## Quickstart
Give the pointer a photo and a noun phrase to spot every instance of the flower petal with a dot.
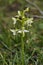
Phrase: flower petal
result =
(26, 31)
(14, 31)
(19, 13)
(14, 19)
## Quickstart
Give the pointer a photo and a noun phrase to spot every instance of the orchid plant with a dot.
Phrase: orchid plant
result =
(24, 22)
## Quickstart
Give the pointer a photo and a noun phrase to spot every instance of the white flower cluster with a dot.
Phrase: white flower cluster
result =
(27, 22)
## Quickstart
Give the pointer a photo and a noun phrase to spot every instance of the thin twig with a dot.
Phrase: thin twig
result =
(41, 12)
(36, 16)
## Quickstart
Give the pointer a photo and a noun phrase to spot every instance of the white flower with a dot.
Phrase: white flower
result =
(26, 31)
(19, 13)
(29, 21)
(27, 41)
(20, 31)
(23, 17)
(27, 9)
(14, 31)
(11, 30)
(17, 16)
(14, 19)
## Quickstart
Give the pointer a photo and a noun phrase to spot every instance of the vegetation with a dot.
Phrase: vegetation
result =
(21, 32)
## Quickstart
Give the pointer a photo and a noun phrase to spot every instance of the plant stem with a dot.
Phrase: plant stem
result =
(22, 49)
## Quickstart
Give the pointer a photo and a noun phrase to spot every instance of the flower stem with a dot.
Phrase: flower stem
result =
(22, 49)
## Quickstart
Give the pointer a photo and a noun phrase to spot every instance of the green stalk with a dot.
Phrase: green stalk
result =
(22, 48)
